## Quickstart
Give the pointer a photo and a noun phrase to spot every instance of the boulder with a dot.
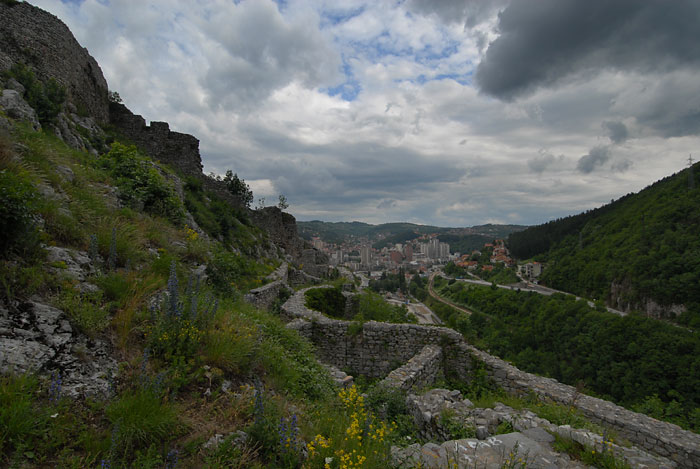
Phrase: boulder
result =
(17, 108)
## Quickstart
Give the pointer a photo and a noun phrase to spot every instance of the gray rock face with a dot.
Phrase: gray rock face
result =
(509, 450)
(56, 54)
(69, 262)
(39, 338)
(17, 108)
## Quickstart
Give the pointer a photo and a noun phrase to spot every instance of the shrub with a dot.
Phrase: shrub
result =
(230, 273)
(18, 198)
(141, 185)
(329, 301)
(238, 188)
(46, 98)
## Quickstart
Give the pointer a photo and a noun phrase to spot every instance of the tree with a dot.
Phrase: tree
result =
(114, 97)
(283, 204)
(238, 187)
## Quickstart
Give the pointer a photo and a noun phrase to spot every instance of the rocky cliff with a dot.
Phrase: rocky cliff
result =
(38, 39)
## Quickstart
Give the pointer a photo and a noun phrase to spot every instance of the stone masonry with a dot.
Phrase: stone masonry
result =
(378, 348)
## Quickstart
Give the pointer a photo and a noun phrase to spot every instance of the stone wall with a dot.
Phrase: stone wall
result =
(40, 40)
(281, 227)
(181, 151)
(263, 297)
(420, 371)
(375, 348)
(378, 348)
(662, 438)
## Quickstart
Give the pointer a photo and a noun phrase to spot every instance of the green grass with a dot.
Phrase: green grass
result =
(587, 455)
(140, 418)
(22, 420)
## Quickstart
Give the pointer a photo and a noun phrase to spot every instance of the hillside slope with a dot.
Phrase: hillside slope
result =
(641, 252)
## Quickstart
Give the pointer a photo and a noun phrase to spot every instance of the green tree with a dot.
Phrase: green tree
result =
(238, 187)
(283, 204)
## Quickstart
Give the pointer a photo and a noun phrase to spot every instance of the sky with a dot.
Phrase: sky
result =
(441, 112)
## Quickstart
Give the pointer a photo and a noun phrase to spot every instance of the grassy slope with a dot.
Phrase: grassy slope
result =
(159, 410)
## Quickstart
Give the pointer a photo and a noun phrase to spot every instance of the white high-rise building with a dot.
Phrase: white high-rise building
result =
(366, 255)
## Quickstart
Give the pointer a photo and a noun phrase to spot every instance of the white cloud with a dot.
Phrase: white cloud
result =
(361, 110)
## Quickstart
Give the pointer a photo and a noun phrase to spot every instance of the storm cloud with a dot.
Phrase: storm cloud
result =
(617, 131)
(542, 42)
(595, 158)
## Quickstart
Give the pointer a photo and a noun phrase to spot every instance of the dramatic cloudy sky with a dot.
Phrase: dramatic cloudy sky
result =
(443, 112)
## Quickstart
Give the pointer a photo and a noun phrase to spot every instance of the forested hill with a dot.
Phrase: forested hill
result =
(641, 252)
(461, 239)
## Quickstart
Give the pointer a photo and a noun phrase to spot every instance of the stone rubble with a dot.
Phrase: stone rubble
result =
(533, 435)
(380, 348)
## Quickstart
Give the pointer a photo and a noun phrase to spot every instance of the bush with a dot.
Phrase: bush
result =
(46, 98)
(329, 301)
(230, 273)
(141, 185)
(18, 198)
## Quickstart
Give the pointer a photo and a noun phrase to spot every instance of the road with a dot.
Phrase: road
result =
(432, 293)
(542, 290)
(422, 313)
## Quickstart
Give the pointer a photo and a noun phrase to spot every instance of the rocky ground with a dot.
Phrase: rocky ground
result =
(529, 443)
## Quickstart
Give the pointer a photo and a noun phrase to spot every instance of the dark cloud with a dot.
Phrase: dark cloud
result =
(669, 104)
(544, 41)
(542, 162)
(622, 166)
(469, 12)
(617, 131)
(596, 157)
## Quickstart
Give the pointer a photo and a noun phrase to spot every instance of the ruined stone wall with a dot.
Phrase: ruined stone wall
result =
(376, 348)
(263, 297)
(37, 38)
(662, 438)
(420, 371)
(281, 227)
(181, 151)
(379, 348)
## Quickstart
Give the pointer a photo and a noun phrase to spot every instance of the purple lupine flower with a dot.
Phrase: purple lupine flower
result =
(55, 388)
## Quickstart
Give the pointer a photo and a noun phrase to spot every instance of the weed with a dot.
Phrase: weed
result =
(21, 421)
(603, 458)
(141, 185)
(18, 204)
(455, 428)
(85, 311)
(141, 417)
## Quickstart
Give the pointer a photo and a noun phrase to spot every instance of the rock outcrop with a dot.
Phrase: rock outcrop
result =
(36, 337)
(38, 39)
